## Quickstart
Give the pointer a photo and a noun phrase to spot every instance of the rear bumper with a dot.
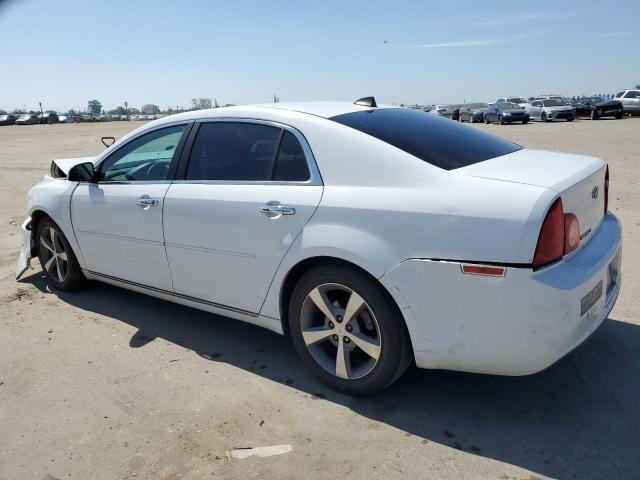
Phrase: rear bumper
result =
(518, 324)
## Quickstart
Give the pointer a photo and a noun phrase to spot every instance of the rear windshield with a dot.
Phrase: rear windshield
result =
(436, 140)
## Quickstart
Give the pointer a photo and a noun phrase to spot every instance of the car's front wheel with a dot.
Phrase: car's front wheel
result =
(347, 330)
(56, 257)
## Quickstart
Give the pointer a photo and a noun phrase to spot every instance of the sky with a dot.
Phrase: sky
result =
(65, 52)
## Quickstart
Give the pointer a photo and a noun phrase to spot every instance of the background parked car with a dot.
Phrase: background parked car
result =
(505, 113)
(630, 101)
(452, 112)
(28, 119)
(550, 109)
(596, 107)
(435, 109)
(8, 119)
(473, 112)
(520, 101)
(48, 117)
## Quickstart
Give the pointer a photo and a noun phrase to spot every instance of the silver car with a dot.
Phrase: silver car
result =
(551, 109)
(630, 101)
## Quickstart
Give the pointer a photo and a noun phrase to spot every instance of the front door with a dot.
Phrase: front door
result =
(247, 192)
(117, 219)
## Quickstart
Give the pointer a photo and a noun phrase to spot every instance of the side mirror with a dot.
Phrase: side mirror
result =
(84, 172)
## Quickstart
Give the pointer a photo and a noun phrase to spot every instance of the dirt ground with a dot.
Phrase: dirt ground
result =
(109, 384)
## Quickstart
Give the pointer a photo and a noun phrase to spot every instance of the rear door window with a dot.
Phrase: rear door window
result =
(242, 151)
(435, 140)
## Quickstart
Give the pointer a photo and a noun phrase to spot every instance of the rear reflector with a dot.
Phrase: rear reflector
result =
(550, 245)
(487, 270)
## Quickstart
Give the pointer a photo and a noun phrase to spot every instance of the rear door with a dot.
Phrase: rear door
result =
(245, 192)
(117, 220)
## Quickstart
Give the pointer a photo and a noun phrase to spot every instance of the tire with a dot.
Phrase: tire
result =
(619, 115)
(570, 119)
(594, 114)
(524, 122)
(57, 259)
(378, 324)
(543, 117)
(500, 120)
(471, 119)
(486, 119)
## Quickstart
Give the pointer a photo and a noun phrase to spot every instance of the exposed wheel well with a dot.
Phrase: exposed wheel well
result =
(36, 217)
(299, 269)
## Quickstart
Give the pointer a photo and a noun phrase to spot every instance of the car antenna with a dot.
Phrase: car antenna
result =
(366, 102)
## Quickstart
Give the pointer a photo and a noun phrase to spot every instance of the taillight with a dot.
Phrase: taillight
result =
(551, 240)
(571, 232)
(606, 191)
(559, 235)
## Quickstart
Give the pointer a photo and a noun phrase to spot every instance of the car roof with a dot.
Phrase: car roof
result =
(318, 109)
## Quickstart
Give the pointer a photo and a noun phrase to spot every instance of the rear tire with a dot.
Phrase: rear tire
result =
(57, 259)
(619, 115)
(324, 332)
(543, 117)
(594, 114)
(570, 119)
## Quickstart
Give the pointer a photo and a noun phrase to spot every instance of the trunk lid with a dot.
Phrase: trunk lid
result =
(579, 180)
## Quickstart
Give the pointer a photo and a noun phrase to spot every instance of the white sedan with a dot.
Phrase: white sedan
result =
(373, 236)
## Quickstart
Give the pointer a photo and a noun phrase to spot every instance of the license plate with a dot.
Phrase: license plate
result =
(590, 299)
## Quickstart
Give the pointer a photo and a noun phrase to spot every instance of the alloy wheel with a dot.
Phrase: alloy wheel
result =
(340, 331)
(54, 255)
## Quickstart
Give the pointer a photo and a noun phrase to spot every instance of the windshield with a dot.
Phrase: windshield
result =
(25, 117)
(4, 117)
(516, 100)
(509, 106)
(433, 139)
(478, 105)
(553, 103)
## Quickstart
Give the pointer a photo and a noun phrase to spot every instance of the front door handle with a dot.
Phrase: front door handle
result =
(277, 210)
(146, 202)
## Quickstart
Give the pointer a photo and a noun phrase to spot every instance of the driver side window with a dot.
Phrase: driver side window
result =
(148, 157)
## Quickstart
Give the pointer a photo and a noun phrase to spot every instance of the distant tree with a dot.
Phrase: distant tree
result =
(94, 107)
(71, 111)
(150, 108)
(201, 103)
(638, 86)
(3, 112)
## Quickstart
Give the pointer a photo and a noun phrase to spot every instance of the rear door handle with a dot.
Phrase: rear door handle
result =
(146, 202)
(277, 210)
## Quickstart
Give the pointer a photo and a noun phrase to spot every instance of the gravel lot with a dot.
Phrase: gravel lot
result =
(109, 384)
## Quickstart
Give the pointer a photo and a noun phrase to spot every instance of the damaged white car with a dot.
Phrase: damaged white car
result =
(373, 236)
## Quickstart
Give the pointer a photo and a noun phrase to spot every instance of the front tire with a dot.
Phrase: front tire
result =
(348, 330)
(543, 117)
(595, 115)
(58, 261)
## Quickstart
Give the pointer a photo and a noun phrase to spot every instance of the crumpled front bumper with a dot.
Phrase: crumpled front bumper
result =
(27, 248)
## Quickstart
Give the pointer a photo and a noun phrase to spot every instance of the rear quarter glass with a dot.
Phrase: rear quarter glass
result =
(437, 141)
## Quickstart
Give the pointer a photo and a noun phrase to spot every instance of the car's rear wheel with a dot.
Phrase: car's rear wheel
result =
(595, 114)
(57, 258)
(619, 115)
(347, 330)
(543, 117)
